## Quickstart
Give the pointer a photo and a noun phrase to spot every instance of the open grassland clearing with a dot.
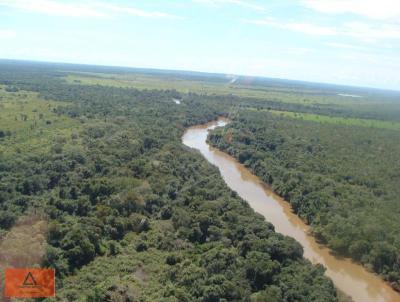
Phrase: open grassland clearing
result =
(24, 245)
(29, 123)
(338, 120)
(209, 87)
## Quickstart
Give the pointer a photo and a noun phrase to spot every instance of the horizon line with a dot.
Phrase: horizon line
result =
(177, 70)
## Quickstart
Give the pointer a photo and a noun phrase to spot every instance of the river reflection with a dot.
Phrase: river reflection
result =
(351, 278)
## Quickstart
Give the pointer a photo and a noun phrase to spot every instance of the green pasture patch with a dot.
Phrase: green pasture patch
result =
(29, 123)
(340, 120)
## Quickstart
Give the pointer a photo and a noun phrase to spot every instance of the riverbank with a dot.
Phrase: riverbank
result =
(353, 279)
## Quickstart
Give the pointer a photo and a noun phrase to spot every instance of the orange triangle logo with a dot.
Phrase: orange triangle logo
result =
(29, 280)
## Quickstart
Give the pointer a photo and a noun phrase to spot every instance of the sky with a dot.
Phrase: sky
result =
(351, 42)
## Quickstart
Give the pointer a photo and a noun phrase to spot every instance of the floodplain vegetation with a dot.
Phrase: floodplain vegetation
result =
(130, 214)
(342, 179)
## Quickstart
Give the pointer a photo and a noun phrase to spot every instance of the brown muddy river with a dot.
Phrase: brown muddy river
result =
(351, 278)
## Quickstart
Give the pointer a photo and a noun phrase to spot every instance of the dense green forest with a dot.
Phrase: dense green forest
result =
(132, 214)
(341, 179)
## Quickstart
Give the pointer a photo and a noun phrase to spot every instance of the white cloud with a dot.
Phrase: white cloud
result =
(311, 29)
(383, 9)
(369, 32)
(54, 8)
(7, 34)
(306, 28)
(265, 21)
(300, 51)
(383, 17)
(365, 32)
(342, 45)
(241, 3)
(74, 9)
(135, 12)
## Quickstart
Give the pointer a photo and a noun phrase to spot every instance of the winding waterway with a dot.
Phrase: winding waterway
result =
(351, 278)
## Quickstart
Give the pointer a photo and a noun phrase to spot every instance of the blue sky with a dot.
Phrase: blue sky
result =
(353, 42)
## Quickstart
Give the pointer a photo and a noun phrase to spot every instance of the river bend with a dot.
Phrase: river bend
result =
(353, 279)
